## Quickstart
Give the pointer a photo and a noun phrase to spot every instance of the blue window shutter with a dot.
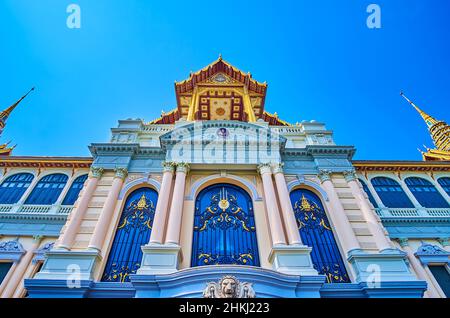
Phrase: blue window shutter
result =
(48, 189)
(391, 193)
(132, 232)
(74, 191)
(315, 231)
(13, 188)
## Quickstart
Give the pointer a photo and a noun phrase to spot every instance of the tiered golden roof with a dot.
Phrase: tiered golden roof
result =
(440, 133)
(220, 91)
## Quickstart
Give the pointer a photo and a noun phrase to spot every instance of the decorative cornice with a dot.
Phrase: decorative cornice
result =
(97, 172)
(121, 173)
(400, 166)
(124, 148)
(46, 162)
(324, 175)
(264, 168)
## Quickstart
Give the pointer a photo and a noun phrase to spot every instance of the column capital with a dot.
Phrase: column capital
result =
(97, 172)
(278, 168)
(121, 173)
(324, 175)
(444, 241)
(168, 166)
(182, 167)
(350, 175)
(264, 168)
(403, 242)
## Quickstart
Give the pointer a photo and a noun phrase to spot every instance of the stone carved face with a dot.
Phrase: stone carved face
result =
(228, 287)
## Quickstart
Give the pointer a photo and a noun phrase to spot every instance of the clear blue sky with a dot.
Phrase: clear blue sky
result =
(319, 58)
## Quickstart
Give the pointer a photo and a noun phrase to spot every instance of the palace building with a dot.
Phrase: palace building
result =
(219, 198)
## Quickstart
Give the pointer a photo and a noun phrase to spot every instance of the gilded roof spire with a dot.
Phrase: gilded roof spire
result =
(440, 133)
(5, 114)
(4, 149)
(430, 121)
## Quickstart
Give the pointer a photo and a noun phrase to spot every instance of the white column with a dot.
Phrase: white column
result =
(342, 225)
(369, 215)
(98, 238)
(22, 266)
(176, 209)
(77, 215)
(159, 223)
(418, 268)
(273, 215)
(286, 206)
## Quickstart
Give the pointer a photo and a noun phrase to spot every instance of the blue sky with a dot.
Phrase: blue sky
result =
(319, 58)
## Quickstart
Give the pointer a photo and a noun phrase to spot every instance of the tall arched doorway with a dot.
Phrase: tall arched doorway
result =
(132, 232)
(224, 227)
(315, 231)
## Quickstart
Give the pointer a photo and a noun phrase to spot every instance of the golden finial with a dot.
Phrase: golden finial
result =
(430, 121)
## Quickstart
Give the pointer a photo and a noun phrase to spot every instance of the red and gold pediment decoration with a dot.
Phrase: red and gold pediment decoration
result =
(220, 91)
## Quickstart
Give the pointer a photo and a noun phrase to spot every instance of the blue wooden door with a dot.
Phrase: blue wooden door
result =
(224, 227)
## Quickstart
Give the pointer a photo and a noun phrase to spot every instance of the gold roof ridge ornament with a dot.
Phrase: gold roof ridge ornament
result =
(4, 115)
(439, 132)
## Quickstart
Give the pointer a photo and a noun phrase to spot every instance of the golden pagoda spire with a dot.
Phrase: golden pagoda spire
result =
(440, 133)
(5, 114)
(4, 149)
(430, 121)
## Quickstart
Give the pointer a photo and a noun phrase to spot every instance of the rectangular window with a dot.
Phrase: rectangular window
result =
(4, 269)
(442, 275)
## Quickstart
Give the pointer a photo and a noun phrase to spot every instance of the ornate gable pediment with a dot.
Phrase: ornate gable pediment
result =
(223, 142)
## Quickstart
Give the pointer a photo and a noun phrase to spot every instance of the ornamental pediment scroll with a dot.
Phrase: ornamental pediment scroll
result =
(229, 287)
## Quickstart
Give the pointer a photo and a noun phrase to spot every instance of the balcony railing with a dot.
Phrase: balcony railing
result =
(413, 212)
(35, 209)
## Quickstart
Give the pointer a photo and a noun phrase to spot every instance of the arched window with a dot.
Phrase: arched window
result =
(133, 231)
(48, 189)
(445, 184)
(224, 227)
(426, 193)
(391, 193)
(14, 187)
(74, 191)
(369, 194)
(315, 231)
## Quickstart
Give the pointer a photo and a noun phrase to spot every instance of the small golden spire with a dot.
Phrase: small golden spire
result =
(5, 114)
(430, 121)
